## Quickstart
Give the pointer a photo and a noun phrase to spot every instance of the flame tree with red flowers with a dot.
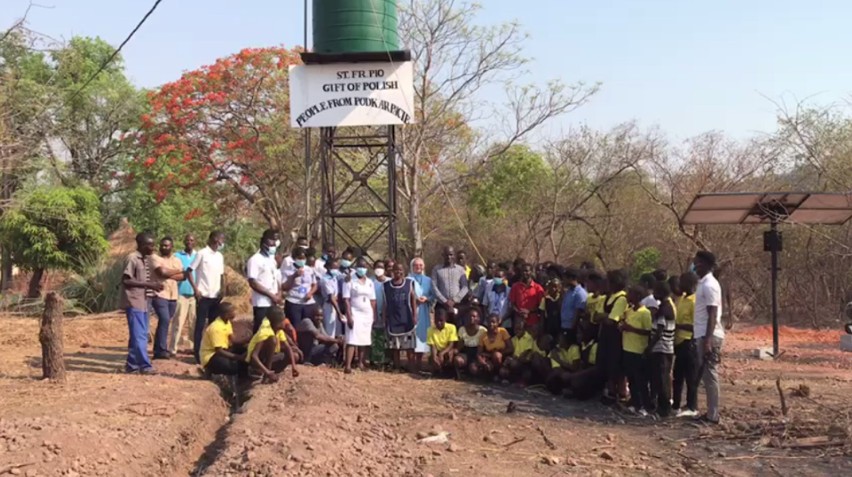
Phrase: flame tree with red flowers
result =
(227, 125)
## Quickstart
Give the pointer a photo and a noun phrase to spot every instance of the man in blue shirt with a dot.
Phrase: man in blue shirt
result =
(186, 296)
(573, 303)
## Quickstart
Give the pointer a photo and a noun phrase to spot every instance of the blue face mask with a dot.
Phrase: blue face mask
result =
(324, 257)
(299, 263)
(497, 282)
(270, 251)
(345, 263)
(334, 273)
(361, 272)
(221, 247)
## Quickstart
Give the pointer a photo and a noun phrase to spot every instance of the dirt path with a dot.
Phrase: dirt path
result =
(102, 422)
(326, 423)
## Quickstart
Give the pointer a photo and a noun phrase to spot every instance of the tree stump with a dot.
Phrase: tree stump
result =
(50, 336)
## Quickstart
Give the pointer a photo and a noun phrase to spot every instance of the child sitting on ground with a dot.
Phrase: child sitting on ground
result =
(442, 339)
(495, 344)
(518, 367)
(468, 344)
(264, 350)
(219, 353)
(589, 379)
(564, 359)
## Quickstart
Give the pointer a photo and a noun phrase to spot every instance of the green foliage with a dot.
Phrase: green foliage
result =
(645, 260)
(512, 178)
(54, 228)
(96, 289)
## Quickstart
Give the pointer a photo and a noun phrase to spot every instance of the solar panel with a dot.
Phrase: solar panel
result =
(765, 207)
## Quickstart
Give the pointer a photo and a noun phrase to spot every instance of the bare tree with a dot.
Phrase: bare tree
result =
(456, 61)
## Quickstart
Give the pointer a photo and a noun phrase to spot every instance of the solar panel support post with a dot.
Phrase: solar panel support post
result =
(774, 242)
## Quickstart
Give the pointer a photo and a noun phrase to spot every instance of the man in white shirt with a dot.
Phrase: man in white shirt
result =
(208, 282)
(709, 334)
(264, 279)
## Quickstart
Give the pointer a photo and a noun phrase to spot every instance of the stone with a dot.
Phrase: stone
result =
(846, 342)
(453, 448)
(606, 456)
(763, 354)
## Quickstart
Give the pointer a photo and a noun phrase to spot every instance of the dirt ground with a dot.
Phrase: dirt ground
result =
(103, 422)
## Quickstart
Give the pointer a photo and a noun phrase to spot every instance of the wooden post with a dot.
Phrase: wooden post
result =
(51, 338)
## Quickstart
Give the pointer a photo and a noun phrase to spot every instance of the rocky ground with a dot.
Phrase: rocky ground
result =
(103, 422)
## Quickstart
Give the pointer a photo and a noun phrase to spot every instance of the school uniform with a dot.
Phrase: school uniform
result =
(685, 367)
(662, 357)
(610, 345)
(633, 357)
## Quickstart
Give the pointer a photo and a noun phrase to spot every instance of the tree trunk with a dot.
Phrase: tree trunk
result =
(6, 271)
(51, 338)
(34, 290)
(414, 217)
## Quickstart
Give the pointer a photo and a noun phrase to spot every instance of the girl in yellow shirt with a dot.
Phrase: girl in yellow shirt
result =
(519, 366)
(636, 328)
(495, 344)
(685, 367)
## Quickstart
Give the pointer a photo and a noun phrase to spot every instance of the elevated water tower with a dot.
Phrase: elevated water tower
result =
(356, 86)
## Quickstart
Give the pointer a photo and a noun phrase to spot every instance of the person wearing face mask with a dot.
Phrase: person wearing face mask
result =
(208, 283)
(360, 297)
(300, 283)
(264, 279)
(496, 301)
(287, 262)
(332, 318)
(378, 350)
(328, 252)
(425, 298)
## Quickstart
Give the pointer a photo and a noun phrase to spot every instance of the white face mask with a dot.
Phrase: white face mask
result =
(277, 243)
(380, 272)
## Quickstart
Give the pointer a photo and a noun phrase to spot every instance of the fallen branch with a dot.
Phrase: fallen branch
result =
(546, 439)
(9, 468)
(520, 439)
(784, 408)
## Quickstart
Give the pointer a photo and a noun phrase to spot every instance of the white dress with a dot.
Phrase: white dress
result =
(360, 295)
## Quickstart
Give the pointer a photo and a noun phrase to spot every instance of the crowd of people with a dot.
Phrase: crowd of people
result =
(579, 332)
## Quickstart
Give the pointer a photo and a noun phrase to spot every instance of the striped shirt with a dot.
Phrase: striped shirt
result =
(449, 283)
(665, 316)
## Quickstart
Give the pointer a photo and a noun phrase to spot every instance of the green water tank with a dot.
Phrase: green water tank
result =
(354, 26)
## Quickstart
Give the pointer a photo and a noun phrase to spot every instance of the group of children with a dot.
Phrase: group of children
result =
(591, 334)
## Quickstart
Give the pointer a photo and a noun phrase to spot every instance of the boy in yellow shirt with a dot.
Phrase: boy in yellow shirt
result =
(219, 353)
(519, 366)
(685, 367)
(442, 339)
(265, 348)
(636, 329)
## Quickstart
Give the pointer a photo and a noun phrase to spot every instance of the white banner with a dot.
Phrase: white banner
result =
(351, 94)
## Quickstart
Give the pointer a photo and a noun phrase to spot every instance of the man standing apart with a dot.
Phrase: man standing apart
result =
(136, 289)
(264, 279)
(168, 270)
(709, 333)
(449, 282)
(186, 295)
(208, 283)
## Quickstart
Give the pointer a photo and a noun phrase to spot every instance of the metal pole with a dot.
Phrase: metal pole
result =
(774, 246)
(307, 148)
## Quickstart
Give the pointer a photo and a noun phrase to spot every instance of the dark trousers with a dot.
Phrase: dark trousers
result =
(635, 367)
(207, 310)
(660, 368)
(685, 373)
(219, 364)
(165, 310)
(320, 354)
(296, 312)
(259, 314)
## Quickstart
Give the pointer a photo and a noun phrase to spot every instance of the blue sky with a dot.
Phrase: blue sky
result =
(685, 66)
